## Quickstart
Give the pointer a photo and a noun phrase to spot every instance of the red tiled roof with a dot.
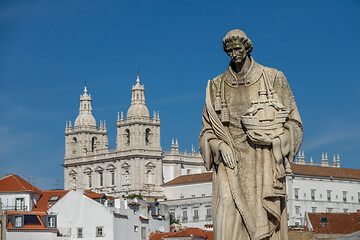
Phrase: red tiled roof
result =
(209, 234)
(158, 236)
(14, 183)
(337, 223)
(143, 218)
(44, 204)
(325, 171)
(92, 195)
(40, 213)
(188, 232)
(191, 178)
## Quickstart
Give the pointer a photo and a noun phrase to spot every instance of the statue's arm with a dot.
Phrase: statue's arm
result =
(293, 133)
(208, 143)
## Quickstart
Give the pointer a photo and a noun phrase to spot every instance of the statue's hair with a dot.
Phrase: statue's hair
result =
(237, 35)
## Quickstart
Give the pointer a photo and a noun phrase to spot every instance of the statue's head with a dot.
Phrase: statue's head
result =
(237, 45)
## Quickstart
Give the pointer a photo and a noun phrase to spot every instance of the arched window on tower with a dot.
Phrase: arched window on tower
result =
(126, 177)
(93, 144)
(127, 136)
(147, 136)
(150, 177)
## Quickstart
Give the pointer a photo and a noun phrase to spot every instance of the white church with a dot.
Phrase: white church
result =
(137, 165)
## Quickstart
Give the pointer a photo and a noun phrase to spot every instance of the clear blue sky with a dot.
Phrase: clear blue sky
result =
(49, 48)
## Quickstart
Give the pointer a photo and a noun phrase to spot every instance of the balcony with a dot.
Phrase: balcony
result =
(14, 208)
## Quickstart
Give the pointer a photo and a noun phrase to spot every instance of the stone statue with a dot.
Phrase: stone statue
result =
(251, 129)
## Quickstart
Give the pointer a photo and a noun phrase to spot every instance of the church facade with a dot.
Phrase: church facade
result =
(137, 165)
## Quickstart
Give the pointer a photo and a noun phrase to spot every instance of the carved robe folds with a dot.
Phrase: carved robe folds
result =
(249, 201)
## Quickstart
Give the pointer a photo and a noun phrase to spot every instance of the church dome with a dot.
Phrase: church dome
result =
(138, 109)
(85, 118)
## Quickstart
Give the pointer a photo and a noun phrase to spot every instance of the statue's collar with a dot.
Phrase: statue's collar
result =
(251, 77)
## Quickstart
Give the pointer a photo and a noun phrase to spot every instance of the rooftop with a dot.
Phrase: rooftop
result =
(191, 178)
(14, 183)
(325, 171)
(335, 223)
(184, 233)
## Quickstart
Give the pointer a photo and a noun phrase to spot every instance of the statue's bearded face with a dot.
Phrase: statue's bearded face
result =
(236, 51)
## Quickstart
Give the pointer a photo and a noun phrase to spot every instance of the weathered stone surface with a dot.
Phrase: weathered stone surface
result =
(251, 128)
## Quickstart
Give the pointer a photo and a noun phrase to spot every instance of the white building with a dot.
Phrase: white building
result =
(78, 216)
(321, 188)
(137, 165)
(16, 194)
(189, 199)
(310, 188)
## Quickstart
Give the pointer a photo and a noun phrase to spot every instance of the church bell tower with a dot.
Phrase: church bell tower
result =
(138, 140)
(85, 137)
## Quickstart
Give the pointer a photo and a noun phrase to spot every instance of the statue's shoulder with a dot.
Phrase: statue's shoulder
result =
(274, 74)
(216, 80)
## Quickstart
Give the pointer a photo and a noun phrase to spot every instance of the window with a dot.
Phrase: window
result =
(313, 209)
(184, 218)
(51, 222)
(203, 194)
(54, 198)
(345, 210)
(358, 197)
(323, 219)
(344, 196)
(127, 136)
(147, 136)
(188, 171)
(101, 179)
(90, 180)
(136, 228)
(112, 178)
(172, 213)
(297, 209)
(329, 195)
(313, 195)
(143, 233)
(208, 213)
(99, 232)
(196, 214)
(80, 233)
(93, 144)
(181, 196)
(193, 196)
(19, 204)
(329, 210)
(296, 193)
(18, 221)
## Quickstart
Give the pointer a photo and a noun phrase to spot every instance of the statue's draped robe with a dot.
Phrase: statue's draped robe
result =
(246, 204)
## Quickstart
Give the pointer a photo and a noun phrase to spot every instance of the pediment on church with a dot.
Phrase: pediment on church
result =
(98, 169)
(72, 172)
(150, 165)
(88, 170)
(110, 167)
(125, 165)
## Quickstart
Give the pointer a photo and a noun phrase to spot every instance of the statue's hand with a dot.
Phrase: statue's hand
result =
(259, 138)
(227, 155)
